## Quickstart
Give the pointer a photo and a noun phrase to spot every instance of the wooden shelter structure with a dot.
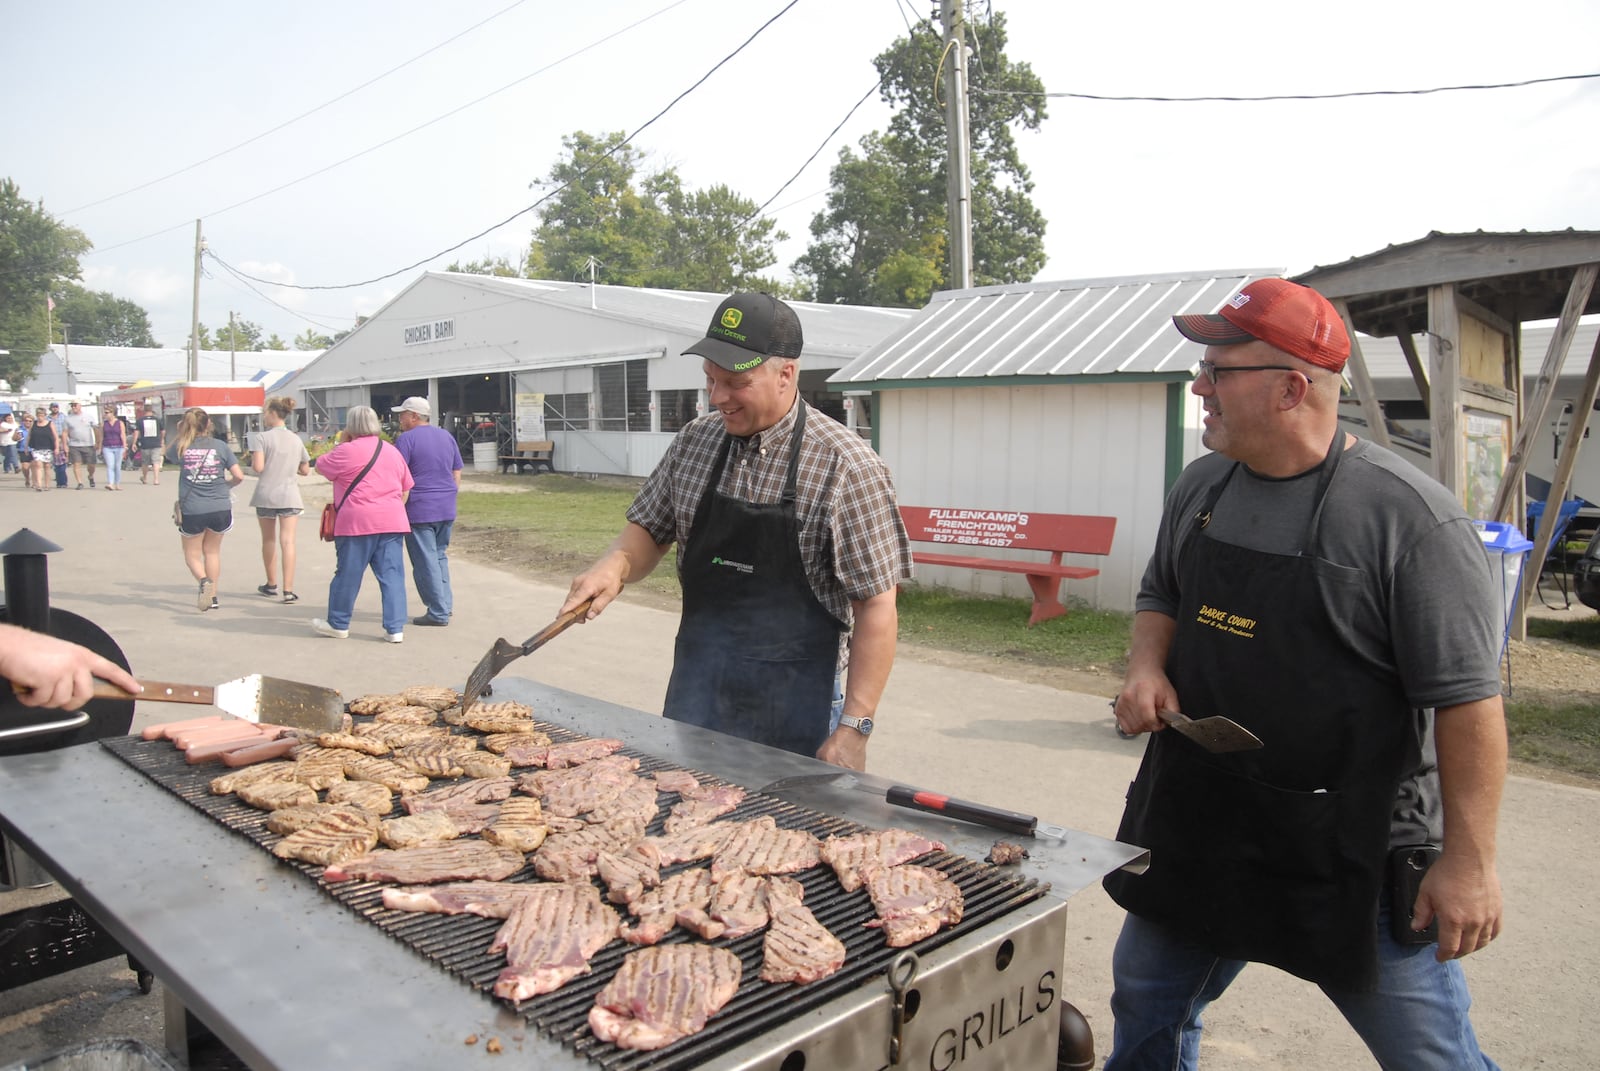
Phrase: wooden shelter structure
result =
(1468, 296)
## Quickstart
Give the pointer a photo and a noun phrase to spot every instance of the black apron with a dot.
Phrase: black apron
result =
(1278, 855)
(757, 653)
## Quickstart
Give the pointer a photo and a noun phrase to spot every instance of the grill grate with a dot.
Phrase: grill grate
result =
(458, 943)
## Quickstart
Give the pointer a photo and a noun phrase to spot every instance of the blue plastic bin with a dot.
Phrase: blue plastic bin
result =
(1508, 551)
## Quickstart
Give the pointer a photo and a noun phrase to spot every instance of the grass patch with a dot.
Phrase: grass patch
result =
(1083, 639)
(1580, 632)
(1565, 736)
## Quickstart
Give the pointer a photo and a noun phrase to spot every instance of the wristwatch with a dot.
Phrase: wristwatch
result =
(860, 725)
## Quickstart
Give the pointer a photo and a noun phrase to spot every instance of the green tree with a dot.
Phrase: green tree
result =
(708, 243)
(273, 342)
(501, 267)
(37, 255)
(882, 237)
(309, 339)
(100, 318)
(340, 336)
(242, 336)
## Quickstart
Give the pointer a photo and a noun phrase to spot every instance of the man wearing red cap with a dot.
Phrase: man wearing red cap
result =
(790, 547)
(1331, 598)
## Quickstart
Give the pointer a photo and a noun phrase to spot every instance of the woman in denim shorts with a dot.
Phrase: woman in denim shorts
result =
(279, 458)
(208, 471)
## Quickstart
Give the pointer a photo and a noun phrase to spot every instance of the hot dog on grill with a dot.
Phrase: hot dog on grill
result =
(228, 730)
(168, 728)
(272, 749)
(205, 752)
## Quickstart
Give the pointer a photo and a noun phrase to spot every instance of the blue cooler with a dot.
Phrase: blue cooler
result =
(1508, 550)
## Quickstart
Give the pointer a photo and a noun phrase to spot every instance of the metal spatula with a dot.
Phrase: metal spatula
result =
(263, 700)
(1216, 734)
(504, 652)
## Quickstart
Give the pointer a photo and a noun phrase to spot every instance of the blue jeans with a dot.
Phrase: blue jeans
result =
(428, 546)
(1416, 1020)
(837, 710)
(353, 554)
(112, 456)
(9, 450)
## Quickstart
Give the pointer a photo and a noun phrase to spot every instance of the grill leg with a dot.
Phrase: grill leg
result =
(1075, 1050)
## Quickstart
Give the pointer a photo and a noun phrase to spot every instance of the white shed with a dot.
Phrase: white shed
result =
(1068, 397)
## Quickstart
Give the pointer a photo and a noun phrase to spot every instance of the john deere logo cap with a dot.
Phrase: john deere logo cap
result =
(746, 330)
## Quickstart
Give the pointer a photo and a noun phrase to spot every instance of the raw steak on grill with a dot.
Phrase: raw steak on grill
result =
(662, 994)
(560, 756)
(569, 793)
(626, 875)
(797, 947)
(571, 856)
(739, 905)
(549, 938)
(850, 856)
(912, 902)
(490, 899)
(658, 909)
(760, 847)
(701, 804)
(675, 781)
(637, 803)
(344, 834)
(457, 860)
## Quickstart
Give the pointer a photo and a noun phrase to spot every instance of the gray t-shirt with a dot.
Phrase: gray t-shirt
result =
(80, 430)
(282, 454)
(203, 481)
(1429, 612)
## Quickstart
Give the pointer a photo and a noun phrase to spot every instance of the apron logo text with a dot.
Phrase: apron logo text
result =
(740, 567)
(1223, 621)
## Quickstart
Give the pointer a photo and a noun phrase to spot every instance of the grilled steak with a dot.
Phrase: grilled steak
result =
(675, 781)
(499, 742)
(451, 797)
(287, 820)
(250, 775)
(344, 834)
(519, 825)
(760, 847)
(273, 795)
(626, 875)
(549, 938)
(490, 899)
(437, 765)
(480, 764)
(368, 795)
(572, 856)
(636, 804)
(568, 793)
(415, 830)
(320, 767)
(797, 947)
(701, 804)
(658, 910)
(457, 860)
(662, 994)
(416, 715)
(739, 905)
(432, 696)
(372, 704)
(912, 902)
(391, 775)
(851, 855)
(1005, 853)
(486, 721)
(687, 845)
(399, 734)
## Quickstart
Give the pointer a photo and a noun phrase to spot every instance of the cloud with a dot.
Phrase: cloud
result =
(143, 286)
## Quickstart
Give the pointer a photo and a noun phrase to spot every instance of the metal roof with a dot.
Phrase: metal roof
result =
(1084, 327)
(132, 364)
(667, 321)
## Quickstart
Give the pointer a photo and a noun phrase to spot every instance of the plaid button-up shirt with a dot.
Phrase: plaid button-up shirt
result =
(852, 540)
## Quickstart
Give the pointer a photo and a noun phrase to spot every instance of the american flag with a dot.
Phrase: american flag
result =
(50, 303)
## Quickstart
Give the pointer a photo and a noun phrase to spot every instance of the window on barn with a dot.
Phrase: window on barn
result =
(624, 396)
(677, 408)
(566, 412)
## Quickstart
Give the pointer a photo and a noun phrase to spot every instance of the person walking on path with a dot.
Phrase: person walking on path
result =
(434, 458)
(790, 549)
(1331, 598)
(58, 421)
(370, 482)
(277, 458)
(208, 472)
(113, 444)
(9, 436)
(24, 451)
(152, 444)
(44, 443)
(83, 442)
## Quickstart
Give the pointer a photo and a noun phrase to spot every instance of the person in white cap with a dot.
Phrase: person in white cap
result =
(434, 458)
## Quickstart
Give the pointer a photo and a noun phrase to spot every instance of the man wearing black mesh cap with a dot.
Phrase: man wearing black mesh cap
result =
(790, 546)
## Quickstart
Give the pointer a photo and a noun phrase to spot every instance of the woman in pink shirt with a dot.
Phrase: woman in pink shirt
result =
(370, 484)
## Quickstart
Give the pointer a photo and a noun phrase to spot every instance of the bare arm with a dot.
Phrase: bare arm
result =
(235, 475)
(632, 556)
(872, 647)
(304, 469)
(456, 475)
(258, 461)
(1145, 687)
(48, 672)
(1463, 887)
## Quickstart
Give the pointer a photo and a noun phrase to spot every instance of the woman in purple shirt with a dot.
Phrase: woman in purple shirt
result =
(370, 484)
(113, 442)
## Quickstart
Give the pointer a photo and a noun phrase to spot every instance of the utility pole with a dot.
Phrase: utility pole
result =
(194, 323)
(959, 142)
(233, 364)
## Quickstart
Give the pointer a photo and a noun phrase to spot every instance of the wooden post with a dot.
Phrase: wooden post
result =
(1408, 346)
(1444, 387)
(1366, 393)
(1544, 390)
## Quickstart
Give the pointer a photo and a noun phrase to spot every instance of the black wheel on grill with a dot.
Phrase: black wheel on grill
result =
(107, 717)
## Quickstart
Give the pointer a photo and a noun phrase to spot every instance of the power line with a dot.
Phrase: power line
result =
(864, 98)
(296, 119)
(1292, 96)
(524, 211)
(242, 279)
(389, 141)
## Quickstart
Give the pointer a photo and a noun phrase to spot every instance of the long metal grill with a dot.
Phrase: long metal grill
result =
(459, 943)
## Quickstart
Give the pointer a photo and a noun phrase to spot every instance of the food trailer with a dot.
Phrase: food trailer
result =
(235, 408)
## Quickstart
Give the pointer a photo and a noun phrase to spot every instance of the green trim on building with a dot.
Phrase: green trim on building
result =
(1175, 393)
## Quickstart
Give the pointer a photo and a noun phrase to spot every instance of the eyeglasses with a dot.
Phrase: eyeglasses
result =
(1211, 370)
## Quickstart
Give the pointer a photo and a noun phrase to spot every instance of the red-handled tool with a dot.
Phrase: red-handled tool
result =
(1025, 825)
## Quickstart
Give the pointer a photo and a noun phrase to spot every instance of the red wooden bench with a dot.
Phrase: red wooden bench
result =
(1054, 534)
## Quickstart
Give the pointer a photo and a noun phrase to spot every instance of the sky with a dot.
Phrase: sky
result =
(287, 129)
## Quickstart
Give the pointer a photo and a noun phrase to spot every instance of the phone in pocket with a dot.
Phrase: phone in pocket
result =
(1407, 865)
